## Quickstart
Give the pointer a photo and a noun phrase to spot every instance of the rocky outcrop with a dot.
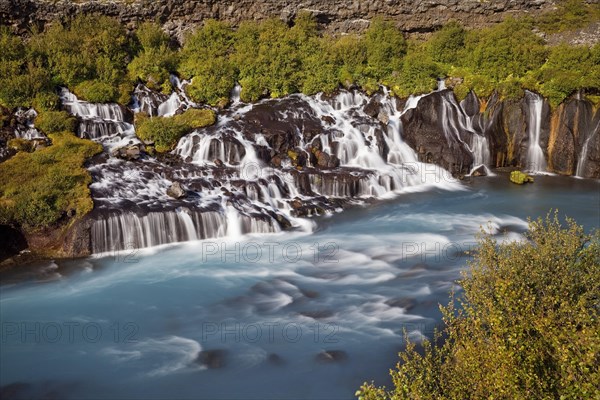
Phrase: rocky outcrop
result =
(177, 16)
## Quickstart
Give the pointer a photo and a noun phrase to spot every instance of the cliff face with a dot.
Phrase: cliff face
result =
(336, 15)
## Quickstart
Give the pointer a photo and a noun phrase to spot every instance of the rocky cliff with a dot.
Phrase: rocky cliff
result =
(335, 15)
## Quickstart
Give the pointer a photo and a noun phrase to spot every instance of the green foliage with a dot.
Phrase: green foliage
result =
(447, 44)
(509, 48)
(385, 46)
(92, 51)
(155, 60)
(38, 189)
(205, 57)
(164, 132)
(55, 121)
(527, 326)
(418, 75)
(570, 14)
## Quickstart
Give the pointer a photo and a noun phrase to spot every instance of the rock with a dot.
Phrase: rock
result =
(402, 302)
(373, 108)
(323, 160)
(218, 163)
(331, 356)
(383, 117)
(276, 161)
(176, 191)
(479, 171)
(212, 359)
(275, 359)
(296, 204)
(520, 178)
(328, 119)
(129, 152)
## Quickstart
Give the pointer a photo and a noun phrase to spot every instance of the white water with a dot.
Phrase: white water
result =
(584, 152)
(104, 123)
(535, 155)
(458, 127)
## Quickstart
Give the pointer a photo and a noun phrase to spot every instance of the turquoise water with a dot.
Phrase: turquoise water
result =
(135, 324)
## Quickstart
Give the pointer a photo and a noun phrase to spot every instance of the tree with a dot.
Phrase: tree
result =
(526, 327)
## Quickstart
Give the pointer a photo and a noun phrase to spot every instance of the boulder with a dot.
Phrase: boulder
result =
(331, 356)
(520, 178)
(479, 171)
(176, 191)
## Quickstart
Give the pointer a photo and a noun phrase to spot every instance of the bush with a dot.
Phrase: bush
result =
(164, 132)
(570, 14)
(55, 121)
(96, 91)
(447, 45)
(528, 325)
(205, 57)
(155, 61)
(38, 189)
(21, 145)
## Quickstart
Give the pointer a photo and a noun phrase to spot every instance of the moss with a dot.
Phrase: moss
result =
(97, 91)
(55, 121)
(39, 189)
(164, 132)
(21, 145)
(520, 178)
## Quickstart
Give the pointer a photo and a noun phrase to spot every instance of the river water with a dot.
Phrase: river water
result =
(287, 315)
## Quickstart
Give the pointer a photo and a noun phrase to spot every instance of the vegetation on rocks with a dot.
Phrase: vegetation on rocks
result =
(526, 327)
(96, 58)
(164, 132)
(42, 188)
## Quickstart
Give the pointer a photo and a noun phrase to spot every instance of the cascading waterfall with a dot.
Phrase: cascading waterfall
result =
(457, 124)
(536, 161)
(27, 130)
(103, 123)
(584, 152)
(246, 195)
(126, 231)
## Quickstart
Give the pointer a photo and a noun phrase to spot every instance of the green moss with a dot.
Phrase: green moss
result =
(569, 15)
(21, 145)
(38, 189)
(55, 121)
(520, 178)
(164, 132)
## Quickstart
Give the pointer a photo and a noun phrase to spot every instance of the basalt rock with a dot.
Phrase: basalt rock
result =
(179, 16)
(424, 131)
(176, 191)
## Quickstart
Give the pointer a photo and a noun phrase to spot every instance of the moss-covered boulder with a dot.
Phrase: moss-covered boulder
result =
(520, 178)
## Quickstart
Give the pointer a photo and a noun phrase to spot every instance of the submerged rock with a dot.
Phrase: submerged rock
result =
(212, 359)
(520, 178)
(479, 171)
(331, 356)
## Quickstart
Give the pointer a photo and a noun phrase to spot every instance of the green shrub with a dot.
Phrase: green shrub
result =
(38, 189)
(570, 14)
(527, 326)
(205, 58)
(447, 45)
(55, 121)
(418, 75)
(96, 91)
(385, 46)
(164, 132)
(155, 60)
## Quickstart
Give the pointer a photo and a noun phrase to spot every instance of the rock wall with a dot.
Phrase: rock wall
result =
(178, 16)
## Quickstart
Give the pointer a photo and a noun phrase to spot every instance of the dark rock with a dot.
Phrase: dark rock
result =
(176, 191)
(12, 241)
(328, 119)
(275, 359)
(479, 171)
(130, 152)
(212, 359)
(402, 302)
(331, 356)
(373, 107)
(218, 163)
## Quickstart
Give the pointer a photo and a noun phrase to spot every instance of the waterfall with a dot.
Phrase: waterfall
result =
(26, 129)
(169, 107)
(456, 123)
(584, 152)
(535, 155)
(104, 123)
